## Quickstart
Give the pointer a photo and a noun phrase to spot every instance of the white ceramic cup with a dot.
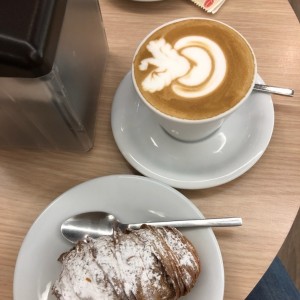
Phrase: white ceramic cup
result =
(192, 130)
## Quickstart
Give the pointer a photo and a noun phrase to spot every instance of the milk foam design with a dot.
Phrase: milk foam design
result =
(170, 65)
(194, 67)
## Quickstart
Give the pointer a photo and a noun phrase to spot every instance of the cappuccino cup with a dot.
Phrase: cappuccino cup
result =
(193, 73)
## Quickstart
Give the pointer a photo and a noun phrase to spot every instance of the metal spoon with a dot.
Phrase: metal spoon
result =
(273, 90)
(95, 224)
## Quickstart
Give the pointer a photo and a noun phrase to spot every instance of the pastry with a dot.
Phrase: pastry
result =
(145, 264)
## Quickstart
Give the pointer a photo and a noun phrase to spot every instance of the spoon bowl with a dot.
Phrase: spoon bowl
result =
(96, 224)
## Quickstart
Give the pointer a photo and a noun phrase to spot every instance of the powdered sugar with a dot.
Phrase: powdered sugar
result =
(144, 264)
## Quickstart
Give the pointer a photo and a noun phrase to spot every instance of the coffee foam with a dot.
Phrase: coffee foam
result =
(207, 71)
(169, 65)
(190, 69)
(194, 67)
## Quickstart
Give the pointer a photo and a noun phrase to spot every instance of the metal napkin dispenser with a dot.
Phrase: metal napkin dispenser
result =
(52, 60)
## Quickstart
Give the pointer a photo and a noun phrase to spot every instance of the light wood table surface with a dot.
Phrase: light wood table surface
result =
(266, 197)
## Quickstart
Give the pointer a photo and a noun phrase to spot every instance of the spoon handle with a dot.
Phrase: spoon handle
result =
(223, 222)
(273, 90)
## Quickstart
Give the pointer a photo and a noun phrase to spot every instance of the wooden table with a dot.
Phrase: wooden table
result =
(267, 196)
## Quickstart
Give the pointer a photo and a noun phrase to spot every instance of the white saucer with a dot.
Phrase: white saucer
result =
(131, 199)
(224, 156)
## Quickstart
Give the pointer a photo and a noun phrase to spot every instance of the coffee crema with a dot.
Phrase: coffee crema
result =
(194, 69)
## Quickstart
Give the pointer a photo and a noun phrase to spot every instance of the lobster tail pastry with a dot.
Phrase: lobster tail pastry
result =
(149, 263)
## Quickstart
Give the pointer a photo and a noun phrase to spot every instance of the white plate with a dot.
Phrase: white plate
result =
(132, 199)
(224, 156)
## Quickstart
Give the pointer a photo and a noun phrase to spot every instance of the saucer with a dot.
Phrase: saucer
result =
(220, 158)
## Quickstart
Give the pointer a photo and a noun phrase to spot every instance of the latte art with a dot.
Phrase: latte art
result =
(207, 70)
(169, 65)
(194, 67)
(190, 69)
